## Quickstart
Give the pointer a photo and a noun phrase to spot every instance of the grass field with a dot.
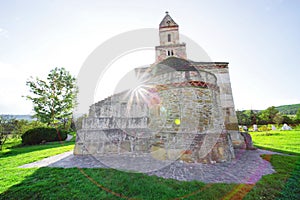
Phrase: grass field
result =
(10, 159)
(281, 141)
(56, 183)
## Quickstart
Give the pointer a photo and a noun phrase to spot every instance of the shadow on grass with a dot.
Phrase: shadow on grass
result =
(73, 183)
(291, 189)
(280, 185)
(277, 150)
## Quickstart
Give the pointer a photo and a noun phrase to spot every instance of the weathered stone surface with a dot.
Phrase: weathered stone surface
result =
(226, 99)
(180, 115)
(181, 121)
(248, 141)
(237, 139)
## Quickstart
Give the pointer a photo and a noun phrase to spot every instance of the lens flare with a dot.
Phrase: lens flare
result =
(177, 121)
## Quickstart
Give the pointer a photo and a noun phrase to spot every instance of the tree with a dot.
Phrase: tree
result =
(243, 118)
(268, 114)
(278, 119)
(288, 119)
(54, 98)
(6, 128)
(298, 115)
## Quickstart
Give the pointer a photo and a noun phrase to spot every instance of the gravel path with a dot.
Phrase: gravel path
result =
(248, 167)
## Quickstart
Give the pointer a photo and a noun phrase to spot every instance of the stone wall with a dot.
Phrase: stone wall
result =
(179, 50)
(226, 97)
(181, 118)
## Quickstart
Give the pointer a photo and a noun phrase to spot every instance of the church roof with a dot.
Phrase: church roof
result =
(177, 64)
(167, 22)
(172, 64)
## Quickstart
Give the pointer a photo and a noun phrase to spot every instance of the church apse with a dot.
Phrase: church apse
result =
(176, 113)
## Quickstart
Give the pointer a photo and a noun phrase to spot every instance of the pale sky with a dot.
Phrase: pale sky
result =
(259, 38)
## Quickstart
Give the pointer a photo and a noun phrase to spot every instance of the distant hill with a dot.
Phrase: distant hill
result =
(288, 109)
(18, 117)
(284, 109)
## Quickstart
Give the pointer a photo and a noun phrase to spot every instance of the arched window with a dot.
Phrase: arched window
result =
(169, 52)
(169, 37)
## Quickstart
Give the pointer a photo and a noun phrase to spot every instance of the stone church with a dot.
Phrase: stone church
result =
(182, 110)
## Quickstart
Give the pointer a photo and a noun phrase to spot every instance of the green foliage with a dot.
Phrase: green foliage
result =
(278, 118)
(298, 114)
(54, 98)
(288, 109)
(269, 116)
(246, 117)
(264, 128)
(21, 126)
(243, 118)
(7, 126)
(38, 135)
(296, 128)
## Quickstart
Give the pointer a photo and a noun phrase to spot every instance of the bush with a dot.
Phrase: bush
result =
(24, 125)
(264, 128)
(43, 134)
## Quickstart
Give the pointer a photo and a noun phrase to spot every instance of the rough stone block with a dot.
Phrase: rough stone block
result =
(232, 126)
(174, 154)
(110, 148)
(126, 146)
(187, 156)
(158, 153)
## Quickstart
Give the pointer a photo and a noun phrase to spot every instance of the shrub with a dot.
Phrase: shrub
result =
(264, 128)
(43, 134)
(24, 125)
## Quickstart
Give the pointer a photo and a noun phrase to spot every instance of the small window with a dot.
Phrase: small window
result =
(172, 53)
(169, 53)
(169, 37)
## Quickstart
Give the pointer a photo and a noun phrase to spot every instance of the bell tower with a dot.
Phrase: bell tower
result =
(169, 40)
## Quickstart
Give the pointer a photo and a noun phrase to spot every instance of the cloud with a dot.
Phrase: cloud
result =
(3, 33)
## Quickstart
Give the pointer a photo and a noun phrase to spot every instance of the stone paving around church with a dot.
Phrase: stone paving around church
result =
(248, 167)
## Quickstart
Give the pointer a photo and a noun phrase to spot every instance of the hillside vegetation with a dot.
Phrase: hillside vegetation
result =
(288, 109)
(289, 114)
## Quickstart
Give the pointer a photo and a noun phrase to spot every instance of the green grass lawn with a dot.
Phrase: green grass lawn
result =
(56, 183)
(281, 141)
(11, 158)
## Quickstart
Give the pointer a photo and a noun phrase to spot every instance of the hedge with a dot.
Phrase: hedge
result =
(43, 134)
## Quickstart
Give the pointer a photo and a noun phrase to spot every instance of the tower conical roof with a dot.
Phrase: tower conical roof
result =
(167, 21)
